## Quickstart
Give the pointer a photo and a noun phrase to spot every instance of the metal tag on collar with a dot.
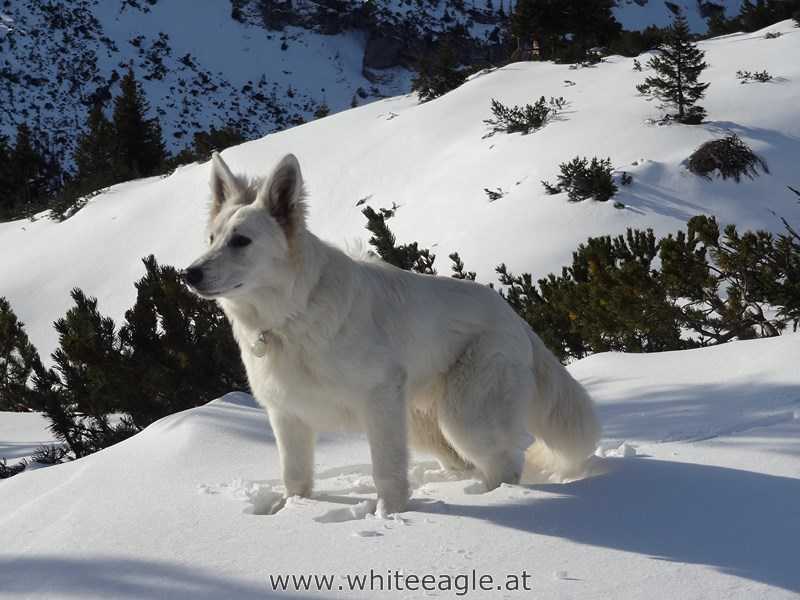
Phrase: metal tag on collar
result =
(259, 347)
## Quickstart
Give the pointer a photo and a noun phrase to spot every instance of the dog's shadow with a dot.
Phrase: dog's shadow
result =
(743, 523)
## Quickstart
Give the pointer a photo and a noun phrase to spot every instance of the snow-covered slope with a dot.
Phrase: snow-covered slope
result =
(434, 161)
(699, 502)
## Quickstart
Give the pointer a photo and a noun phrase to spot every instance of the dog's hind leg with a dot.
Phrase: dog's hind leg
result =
(483, 412)
(425, 436)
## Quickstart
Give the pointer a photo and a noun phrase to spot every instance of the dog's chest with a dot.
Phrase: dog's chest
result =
(306, 385)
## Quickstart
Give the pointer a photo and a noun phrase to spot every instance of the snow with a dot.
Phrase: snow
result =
(178, 510)
(21, 434)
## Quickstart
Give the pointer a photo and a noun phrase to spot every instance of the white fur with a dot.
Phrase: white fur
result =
(442, 364)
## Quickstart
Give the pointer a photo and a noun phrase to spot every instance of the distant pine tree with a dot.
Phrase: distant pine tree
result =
(206, 142)
(564, 30)
(94, 156)
(28, 170)
(437, 76)
(322, 110)
(6, 177)
(678, 67)
(140, 147)
(756, 15)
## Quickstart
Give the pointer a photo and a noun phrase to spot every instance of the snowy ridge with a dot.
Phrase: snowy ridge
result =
(175, 511)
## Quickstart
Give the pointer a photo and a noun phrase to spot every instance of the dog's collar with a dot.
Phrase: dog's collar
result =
(259, 346)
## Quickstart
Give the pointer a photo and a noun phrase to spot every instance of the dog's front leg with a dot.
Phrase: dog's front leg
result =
(385, 423)
(296, 448)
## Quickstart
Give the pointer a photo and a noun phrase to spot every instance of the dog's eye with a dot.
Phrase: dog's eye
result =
(239, 241)
(211, 239)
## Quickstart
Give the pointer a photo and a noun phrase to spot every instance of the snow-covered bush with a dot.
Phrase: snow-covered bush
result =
(582, 179)
(730, 156)
(7, 470)
(748, 76)
(524, 119)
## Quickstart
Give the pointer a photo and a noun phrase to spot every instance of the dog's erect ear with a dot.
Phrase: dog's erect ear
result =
(283, 195)
(223, 183)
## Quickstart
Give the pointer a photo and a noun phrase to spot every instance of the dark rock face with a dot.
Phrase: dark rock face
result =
(383, 52)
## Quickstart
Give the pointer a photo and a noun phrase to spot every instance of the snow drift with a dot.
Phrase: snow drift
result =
(700, 499)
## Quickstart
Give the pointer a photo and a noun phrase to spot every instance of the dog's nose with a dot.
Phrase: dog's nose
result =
(193, 275)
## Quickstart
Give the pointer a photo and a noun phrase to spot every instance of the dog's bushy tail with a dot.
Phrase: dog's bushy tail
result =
(562, 418)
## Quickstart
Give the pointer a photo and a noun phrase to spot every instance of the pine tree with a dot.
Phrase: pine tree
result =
(323, 110)
(28, 169)
(205, 142)
(409, 257)
(6, 178)
(140, 147)
(94, 156)
(17, 359)
(458, 268)
(677, 68)
(762, 13)
(437, 76)
(564, 29)
(759, 15)
(180, 347)
(90, 381)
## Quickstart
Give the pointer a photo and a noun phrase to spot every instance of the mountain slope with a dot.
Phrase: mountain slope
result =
(59, 58)
(700, 501)
(434, 161)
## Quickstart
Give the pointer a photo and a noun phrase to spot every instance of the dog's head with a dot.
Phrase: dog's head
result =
(252, 227)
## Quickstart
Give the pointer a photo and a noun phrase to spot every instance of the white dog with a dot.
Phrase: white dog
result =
(330, 342)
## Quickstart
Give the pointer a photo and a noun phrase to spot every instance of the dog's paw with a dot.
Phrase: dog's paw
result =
(265, 501)
(298, 488)
(387, 507)
(277, 505)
